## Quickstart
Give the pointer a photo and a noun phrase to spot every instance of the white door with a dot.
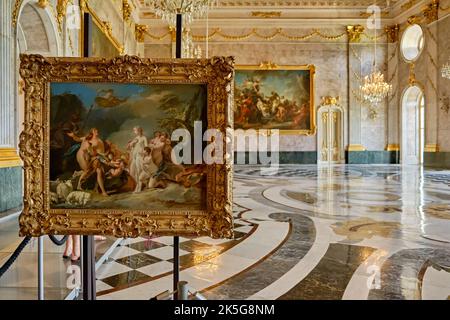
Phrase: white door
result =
(330, 135)
(411, 128)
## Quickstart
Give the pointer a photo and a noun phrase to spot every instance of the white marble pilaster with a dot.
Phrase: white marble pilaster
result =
(393, 100)
(7, 82)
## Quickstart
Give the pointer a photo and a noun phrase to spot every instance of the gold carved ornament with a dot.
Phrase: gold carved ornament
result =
(392, 33)
(42, 4)
(140, 30)
(127, 10)
(38, 218)
(266, 14)
(330, 101)
(354, 33)
(431, 11)
(280, 32)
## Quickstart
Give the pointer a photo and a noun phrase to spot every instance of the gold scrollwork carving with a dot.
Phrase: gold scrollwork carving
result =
(330, 101)
(39, 218)
(266, 14)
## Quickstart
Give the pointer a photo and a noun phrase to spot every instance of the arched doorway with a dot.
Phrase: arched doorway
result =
(413, 126)
(330, 134)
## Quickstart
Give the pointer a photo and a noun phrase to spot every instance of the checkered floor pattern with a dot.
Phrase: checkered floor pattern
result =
(146, 259)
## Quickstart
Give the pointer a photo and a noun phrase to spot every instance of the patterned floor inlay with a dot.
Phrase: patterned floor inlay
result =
(330, 277)
(275, 266)
(308, 232)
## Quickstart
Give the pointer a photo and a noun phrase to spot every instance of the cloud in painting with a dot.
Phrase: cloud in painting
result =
(107, 99)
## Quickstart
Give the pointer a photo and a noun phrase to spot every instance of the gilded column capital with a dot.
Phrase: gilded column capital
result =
(354, 33)
(431, 10)
(392, 33)
(140, 30)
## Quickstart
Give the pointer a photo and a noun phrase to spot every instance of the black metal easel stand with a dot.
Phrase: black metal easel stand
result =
(88, 245)
(88, 268)
(176, 239)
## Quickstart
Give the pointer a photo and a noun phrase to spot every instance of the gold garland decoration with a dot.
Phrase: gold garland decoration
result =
(256, 33)
(155, 37)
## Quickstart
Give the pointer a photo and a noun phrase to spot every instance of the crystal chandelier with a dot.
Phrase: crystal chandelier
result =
(375, 89)
(189, 48)
(446, 70)
(190, 9)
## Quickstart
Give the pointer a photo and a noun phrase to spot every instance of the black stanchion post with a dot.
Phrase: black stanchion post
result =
(176, 240)
(88, 246)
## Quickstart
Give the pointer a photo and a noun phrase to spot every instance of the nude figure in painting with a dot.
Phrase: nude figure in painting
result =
(89, 157)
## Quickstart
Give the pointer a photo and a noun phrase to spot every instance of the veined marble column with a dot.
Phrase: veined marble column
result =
(7, 83)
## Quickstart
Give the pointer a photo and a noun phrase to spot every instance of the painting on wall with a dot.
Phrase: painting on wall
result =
(100, 38)
(275, 97)
(102, 44)
(101, 146)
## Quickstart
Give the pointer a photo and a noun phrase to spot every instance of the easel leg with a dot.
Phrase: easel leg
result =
(88, 268)
(41, 268)
(176, 266)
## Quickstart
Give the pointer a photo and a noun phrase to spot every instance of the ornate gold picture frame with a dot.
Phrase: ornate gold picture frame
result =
(261, 103)
(41, 75)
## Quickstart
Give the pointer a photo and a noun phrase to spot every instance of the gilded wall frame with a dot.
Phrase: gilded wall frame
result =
(102, 26)
(38, 218)
(268, 66)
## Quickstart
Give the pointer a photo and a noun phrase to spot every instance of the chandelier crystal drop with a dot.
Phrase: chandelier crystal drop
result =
(190, 9)
(375, 89)
(446, 70)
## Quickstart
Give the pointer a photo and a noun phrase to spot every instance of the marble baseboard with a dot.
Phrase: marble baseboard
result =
(437, 159)
(372, 157)
(10, 188)
(285, 157)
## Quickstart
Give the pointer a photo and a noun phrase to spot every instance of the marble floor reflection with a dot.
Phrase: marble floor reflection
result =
(308, 232)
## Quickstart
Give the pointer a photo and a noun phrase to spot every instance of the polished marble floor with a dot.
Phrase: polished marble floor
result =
(302, 232)
(308, 232)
